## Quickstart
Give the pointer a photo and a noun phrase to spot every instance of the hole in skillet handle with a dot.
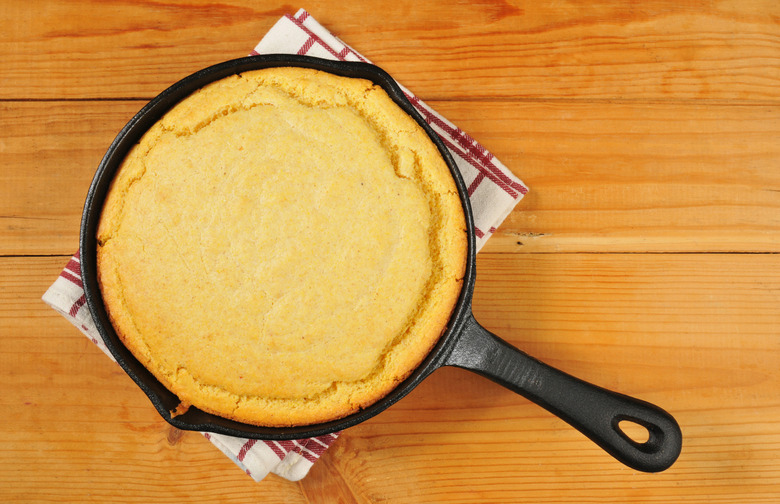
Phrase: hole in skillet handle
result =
(633, 429)
(594, 411)
(162, 399)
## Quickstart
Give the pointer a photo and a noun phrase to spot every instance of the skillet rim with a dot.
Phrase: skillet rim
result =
(164, 401)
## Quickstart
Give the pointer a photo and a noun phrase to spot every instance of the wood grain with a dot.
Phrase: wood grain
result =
(659, 49)
(618, 177)
(645, 258)
(662, 327)
(634, 177)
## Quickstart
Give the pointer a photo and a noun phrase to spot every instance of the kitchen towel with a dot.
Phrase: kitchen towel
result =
(493, 192)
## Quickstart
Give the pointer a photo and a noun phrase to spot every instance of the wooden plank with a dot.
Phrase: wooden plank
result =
(603, 176)
(663, 49)
(634, 177)
(696, 334)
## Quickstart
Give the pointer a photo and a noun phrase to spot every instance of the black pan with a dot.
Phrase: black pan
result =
(594, 411)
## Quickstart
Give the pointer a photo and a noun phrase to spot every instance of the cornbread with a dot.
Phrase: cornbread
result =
(282, 247)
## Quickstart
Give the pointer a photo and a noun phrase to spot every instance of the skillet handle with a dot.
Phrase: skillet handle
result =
(594, 411)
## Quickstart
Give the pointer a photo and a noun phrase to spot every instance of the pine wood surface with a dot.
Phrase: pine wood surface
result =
(644, 258)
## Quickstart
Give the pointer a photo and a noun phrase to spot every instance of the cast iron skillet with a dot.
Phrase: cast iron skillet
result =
(594, 411)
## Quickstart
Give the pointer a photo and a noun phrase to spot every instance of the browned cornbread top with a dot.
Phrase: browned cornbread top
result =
(282, 247)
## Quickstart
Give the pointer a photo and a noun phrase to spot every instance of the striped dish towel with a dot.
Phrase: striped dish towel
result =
(493, 192)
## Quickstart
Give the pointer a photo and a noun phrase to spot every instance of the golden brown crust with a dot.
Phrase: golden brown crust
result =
(283, 247)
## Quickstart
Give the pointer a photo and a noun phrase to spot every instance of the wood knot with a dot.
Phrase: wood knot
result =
(174, 435)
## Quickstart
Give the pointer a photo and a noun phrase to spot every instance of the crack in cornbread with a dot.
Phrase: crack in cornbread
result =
(282, 247)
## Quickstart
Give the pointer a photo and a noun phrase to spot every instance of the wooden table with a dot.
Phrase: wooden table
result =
(645, 258)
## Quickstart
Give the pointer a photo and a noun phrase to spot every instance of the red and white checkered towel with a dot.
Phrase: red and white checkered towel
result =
(493, 192)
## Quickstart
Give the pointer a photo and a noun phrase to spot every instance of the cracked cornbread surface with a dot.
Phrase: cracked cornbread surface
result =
(282, 247)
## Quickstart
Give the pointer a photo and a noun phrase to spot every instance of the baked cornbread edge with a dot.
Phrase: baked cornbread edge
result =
(448, 243)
